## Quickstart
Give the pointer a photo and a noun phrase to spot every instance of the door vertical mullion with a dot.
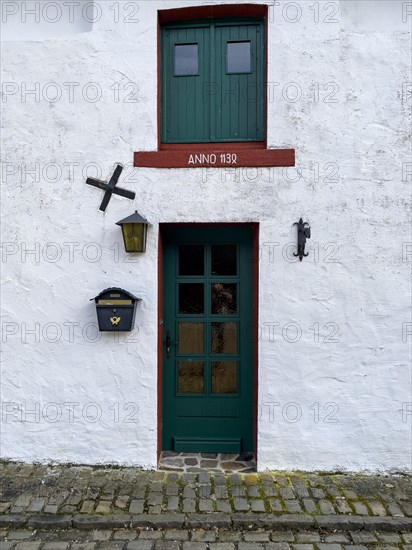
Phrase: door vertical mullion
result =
(165, 52)
(208, 306)
(169, 364)
(213, 82)
(174, 325)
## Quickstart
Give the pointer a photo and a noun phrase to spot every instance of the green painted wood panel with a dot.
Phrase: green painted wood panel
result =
(239, 107)
(213, 105)
(216, 414)
(185, 110)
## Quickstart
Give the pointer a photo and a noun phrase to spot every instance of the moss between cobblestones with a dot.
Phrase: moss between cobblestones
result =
(181, 485)
(263, 497)
(350, 502)
(340, 488)
(165, 499)
(229, 493)
(145, 503)
(364, 502)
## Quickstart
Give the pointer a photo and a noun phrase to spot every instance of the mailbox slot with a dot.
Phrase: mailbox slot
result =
(115, 303)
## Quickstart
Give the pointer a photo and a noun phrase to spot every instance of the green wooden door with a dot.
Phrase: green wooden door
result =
(213, 81)
(208, 348)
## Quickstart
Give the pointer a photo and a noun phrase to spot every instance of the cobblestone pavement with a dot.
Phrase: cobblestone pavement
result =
(34, 489)
(56, 507)
(199, 539)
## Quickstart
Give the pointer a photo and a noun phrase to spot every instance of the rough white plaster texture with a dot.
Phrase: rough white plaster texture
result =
(334, 347)
(39, 19)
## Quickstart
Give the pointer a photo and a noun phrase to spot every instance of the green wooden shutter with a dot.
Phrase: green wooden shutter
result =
(213, 105)
(238, 109)
(185, 110)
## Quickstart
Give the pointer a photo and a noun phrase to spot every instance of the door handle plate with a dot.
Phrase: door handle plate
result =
(168, 344)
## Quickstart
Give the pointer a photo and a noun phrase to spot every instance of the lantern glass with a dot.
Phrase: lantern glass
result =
(134, 230)
(134, 235)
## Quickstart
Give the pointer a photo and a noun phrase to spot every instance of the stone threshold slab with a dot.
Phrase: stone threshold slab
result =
(208, 521)
(228, 463)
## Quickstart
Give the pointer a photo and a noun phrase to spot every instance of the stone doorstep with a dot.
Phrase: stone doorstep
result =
(247, 521)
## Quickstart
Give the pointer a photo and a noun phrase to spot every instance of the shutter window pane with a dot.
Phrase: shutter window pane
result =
(238, 57)
(186, 59)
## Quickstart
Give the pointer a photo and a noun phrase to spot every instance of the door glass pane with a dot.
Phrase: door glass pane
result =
(224, 337)
(224, 259)
(191, 338)
(190, 377)
(191, 298)
(224, 298)
(186, 59)
(238, 57)
(191, 259)
(224, 377)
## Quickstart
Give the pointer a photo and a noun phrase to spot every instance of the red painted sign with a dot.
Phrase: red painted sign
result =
(218, 159)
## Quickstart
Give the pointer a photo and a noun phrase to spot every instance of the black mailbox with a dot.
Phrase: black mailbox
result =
(116, 310)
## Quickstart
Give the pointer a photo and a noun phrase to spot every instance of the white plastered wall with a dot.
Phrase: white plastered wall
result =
(334, 348)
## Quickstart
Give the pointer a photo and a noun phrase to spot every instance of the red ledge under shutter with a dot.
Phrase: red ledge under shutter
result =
(236, 158)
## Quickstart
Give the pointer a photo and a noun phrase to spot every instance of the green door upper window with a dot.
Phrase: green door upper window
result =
(213, 81)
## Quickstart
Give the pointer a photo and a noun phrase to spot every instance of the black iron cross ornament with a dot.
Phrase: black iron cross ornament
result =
(111, 188)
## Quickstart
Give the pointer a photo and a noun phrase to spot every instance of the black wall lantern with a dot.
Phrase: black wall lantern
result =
(134, 230)
(116, 310)
(303, 234)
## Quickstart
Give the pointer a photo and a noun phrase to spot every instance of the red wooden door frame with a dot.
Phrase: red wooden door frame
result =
(255, 233)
